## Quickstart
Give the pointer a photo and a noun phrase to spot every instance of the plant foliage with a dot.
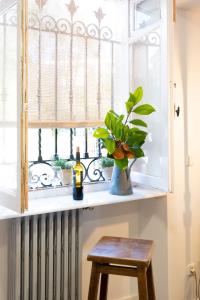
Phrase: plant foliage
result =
(65, 165)
(119, 137)
(106, 162)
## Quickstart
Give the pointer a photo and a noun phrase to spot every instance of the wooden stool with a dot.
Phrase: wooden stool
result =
(121, 256)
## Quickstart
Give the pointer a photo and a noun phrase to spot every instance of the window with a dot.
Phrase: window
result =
(75, 77)
(83, 59)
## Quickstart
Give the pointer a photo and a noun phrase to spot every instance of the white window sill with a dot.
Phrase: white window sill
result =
(54, 203)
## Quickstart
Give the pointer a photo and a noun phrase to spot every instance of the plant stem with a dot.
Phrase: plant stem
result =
(128, 117)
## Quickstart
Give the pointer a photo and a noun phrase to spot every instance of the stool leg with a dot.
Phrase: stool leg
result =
(94, 282)
(142, 284)
(104, 287)
(150, 283)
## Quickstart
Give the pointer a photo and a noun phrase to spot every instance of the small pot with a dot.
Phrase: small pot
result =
(107, 172)
(67, 177)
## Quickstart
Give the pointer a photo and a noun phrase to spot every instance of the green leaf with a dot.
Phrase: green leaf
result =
(110, 145)
(134, 99)
(138, 94)
(138, 122)
(138, 152)
(101, 133)
(122, 163)
(144, 109)
(129, 106)
(136, 137)
(111, 120)
(125, 133)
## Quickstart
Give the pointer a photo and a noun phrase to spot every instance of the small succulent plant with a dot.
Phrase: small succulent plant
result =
(65, 165)
(106, 162)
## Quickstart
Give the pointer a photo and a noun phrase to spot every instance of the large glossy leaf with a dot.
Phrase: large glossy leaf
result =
(122, 163)
(125, 133)
(129, 106)
(138, 122)
(110, 145)
(101, 133)
(138, 152)
(144, 109)
(138, 94)
(136, 137)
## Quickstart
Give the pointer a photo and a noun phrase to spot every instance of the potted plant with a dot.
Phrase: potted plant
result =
(66, 167)
(107, 164)
(123, 138)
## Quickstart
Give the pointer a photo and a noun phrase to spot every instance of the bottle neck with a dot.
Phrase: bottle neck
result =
(78, 157)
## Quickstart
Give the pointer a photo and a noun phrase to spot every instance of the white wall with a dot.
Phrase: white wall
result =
(143, 219)
(184, 204)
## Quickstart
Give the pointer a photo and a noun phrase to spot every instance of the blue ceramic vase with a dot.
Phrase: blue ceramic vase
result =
(121, 183)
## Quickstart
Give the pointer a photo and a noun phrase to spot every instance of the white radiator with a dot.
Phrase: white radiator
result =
(44, 259)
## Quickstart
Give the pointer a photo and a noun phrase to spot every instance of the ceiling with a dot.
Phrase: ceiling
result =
(187, 4)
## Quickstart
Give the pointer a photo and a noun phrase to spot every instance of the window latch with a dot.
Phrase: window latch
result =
(177, 110)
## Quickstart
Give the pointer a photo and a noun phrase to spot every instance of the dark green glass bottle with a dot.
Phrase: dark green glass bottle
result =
(77, 178)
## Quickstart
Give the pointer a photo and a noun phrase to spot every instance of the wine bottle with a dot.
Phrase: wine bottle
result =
(77, 178)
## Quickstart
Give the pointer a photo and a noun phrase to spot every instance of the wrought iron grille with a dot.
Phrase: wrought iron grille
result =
(42, 171)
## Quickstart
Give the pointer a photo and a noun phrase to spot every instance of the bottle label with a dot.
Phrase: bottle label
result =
(77, 178)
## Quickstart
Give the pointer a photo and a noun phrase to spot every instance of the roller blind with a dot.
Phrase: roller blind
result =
(76, 52)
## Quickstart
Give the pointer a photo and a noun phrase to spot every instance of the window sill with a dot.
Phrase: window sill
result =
(91, 199)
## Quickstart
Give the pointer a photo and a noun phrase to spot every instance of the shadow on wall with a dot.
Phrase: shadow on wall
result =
(152, 224)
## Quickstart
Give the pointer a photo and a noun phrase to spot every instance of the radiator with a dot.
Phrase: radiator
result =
(44, 256)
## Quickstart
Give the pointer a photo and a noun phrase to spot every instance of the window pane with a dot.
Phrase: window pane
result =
(144, 13)
(8, 98)
(146, 71)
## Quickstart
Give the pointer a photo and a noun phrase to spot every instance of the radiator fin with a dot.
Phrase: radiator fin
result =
(44, 260)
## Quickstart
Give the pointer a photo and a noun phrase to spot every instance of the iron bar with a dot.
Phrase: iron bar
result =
(71, 144)
(86, 155)
(112, 76)
(40, 145)
(56, 157)
(99, 148)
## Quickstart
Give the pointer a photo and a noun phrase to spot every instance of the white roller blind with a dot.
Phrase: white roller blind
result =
(76, 49)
